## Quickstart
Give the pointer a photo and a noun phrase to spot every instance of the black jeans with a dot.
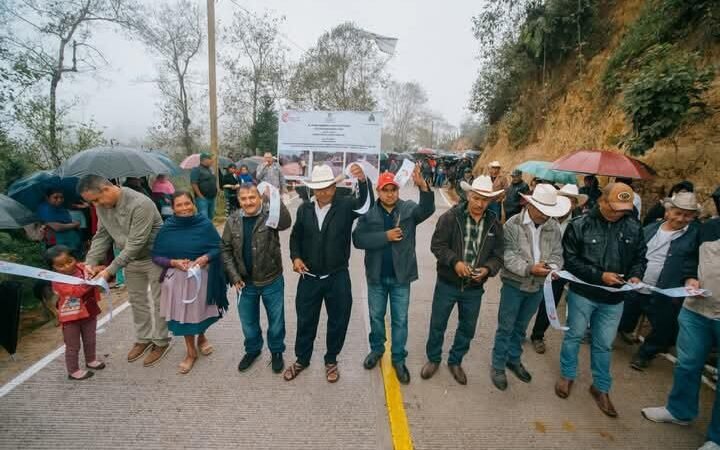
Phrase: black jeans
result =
(541, 320)
(335, 290)
(662, 312)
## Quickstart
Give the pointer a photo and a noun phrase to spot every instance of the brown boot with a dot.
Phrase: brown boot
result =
(603, 401)
(156, 354)
(429, 370)
(138, 350)
(563, 387)
(458, 373)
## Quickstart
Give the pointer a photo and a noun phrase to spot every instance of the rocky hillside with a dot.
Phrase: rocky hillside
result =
(574, 114)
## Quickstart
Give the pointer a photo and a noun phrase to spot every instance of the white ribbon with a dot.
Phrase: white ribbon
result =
(274, 210)
(677, 292)
(21, 270)
(370, 172)
(404, 174)
(194, 272)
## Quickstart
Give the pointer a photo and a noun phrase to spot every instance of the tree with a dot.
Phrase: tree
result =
(42, 34)
(263, 133)
(343, 71)
(175, 33)
(257, 67)
(403, 104)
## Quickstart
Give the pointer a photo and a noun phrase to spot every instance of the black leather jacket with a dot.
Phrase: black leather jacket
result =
(592, 245)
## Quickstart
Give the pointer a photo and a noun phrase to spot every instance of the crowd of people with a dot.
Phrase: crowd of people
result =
(522, 233)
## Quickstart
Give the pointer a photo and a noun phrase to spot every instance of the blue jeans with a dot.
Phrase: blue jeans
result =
(516, 309)
(444, 300)
(206, 206)
(603, 320)
(696, 339)
(399, 295)
(249, 310)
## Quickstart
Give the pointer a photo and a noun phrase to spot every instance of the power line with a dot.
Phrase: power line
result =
(280, 33)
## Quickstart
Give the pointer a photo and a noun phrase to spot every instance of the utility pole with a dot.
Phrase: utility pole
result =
(432, 130)
(212, 84)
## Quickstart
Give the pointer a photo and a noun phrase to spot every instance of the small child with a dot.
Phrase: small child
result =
(78, 309)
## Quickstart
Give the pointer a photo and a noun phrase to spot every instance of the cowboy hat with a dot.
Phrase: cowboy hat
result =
(546, 199)
(683, 200)
(322, 176)
(481, 185)
(495, 164)
(571, 190)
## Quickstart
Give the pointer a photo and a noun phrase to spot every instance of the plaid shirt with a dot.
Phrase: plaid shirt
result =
(471, 239)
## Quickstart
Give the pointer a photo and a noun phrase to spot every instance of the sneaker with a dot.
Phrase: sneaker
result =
(628, 338)
(277, 362)
(371, 360)
(539, 346)
(519, 370)
(156, 354)
(402, 373)
(639, 363)
(660, 414)
(499, 379)
(710, 445)
(247, 361)
(138, 350)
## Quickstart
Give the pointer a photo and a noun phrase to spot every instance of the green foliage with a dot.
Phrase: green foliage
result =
(263, 135)
(662, 94)
(519, 126)
(660, 21)
(16, 248)
(520, 40)
(12, 165)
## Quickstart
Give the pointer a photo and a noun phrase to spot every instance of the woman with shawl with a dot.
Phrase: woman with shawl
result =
(188, 242)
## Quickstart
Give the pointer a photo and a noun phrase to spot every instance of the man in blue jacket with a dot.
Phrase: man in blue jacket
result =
(387, 234)
(672, 255)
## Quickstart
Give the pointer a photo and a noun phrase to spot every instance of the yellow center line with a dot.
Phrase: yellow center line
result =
(399, 427)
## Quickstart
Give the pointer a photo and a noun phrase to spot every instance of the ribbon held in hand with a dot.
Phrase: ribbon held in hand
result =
(274, 208)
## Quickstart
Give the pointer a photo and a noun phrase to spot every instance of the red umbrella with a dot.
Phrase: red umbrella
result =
(603, 162)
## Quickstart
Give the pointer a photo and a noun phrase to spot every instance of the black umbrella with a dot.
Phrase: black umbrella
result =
(112, 162)
(13, 214)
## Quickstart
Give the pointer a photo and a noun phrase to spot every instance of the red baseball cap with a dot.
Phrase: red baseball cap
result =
(385, 179)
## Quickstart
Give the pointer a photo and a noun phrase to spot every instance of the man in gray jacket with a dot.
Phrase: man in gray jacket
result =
(253, 262)
(387, 234)
(130, 221)
(533, 247)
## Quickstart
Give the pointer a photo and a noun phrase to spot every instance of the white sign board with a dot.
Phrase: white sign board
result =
(335, 138)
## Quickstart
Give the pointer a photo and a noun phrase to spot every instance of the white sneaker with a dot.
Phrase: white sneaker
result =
(660, 414)
(710, 445)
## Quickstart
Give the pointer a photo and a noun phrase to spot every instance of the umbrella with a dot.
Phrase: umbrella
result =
(544, 171)
(13, 214)
(172, 167)
(30, 190)
(112, 162)
(252, 163)
(194, 161)
(603, 162)
(426, 151)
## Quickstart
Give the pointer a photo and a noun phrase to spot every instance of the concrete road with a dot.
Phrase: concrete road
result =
(215, 406)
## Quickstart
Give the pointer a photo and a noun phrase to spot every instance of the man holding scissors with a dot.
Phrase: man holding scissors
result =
(468, 245)
(320, 250)
(387, 234)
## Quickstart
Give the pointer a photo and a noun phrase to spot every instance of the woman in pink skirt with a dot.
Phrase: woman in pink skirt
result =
(193, 282)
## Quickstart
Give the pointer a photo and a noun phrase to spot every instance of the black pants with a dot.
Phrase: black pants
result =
(541, 320)
(335, 290)
(662, 312)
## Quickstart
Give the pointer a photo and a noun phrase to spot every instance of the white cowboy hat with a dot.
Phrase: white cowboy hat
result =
(683, 200)
(481, 185)
(571, 190)
(546, 199)
(495, 164)
(322, 177)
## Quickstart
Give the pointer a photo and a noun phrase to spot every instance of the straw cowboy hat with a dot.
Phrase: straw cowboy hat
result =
(571, 190)
(683, 200)
(481, 185)
(546, 199)
(322, 176)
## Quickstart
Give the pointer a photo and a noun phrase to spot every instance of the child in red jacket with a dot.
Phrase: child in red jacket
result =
(78, 309)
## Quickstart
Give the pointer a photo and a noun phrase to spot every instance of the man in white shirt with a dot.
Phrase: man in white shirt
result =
(672, 258)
